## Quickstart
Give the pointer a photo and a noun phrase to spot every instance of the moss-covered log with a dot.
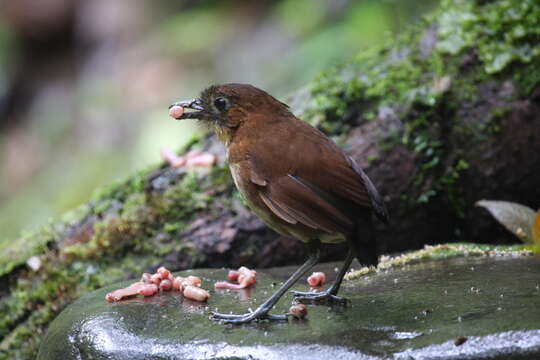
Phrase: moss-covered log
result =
(440, 117)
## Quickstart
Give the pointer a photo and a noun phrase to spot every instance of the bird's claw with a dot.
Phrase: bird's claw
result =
(318, 298)
(245, 318)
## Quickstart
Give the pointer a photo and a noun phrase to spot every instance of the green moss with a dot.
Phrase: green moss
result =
(443, 251)
(15, 253)
(103, 198)
(495, 122)
(503, 32)
(143, 216)
(34, 301)
(474, 40)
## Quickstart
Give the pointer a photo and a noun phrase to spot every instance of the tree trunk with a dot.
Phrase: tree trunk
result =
(442, 116)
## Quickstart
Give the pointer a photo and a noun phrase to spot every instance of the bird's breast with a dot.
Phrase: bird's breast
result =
(248, 190)
(235, 172)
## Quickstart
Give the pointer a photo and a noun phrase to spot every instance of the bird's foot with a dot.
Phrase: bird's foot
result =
(256, 315)
(318, 298)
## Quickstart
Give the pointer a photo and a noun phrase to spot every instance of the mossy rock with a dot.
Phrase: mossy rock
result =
(462, 307)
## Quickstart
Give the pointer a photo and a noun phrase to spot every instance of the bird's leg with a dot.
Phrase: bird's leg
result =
(261, 313)
(329, 296)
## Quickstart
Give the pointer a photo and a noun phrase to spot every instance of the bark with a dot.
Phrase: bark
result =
(442, 116)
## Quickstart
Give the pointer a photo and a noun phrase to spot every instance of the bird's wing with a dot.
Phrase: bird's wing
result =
(312, 181)
(293, 201)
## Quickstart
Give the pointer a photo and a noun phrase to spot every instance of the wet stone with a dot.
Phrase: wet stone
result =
(465, 308)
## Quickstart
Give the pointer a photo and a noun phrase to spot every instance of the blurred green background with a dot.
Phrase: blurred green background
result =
(85, 85)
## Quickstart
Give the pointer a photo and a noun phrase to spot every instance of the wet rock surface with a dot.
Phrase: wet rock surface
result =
(464, 308)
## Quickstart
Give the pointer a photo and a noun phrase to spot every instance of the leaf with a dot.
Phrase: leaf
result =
(517, 218)
(536, 229)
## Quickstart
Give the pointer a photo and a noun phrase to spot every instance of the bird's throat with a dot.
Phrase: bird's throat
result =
(224, 134)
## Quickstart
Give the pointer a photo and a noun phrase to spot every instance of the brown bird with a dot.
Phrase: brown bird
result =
(297, 180)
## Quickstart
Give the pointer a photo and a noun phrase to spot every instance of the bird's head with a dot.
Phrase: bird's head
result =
(228, 107)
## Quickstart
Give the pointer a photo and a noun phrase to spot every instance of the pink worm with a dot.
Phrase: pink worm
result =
(164, 272)
(177, 283)
(299, 311)
(316, 279)
(119, 294)
(165, 285)
(171, 158)
(196, 293)
(176, 111)
(233, 275)
(156, 278)
(148, 290)
(201, 160)
(244, 276)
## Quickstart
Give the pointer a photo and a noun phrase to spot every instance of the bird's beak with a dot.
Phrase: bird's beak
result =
(193, 104)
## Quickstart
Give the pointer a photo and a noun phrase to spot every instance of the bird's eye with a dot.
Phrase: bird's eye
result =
(220, 103)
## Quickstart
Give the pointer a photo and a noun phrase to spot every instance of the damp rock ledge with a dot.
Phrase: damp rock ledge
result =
(461, 308)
